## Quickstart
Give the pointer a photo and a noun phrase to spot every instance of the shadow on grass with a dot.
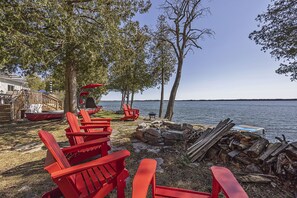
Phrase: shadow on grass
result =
(25, 133)
(33, 182)
(26, 169)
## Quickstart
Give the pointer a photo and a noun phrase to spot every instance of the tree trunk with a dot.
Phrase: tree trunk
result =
(132, 99)
(170, 106)
(127, 97)
(162, 94)
(123, 99)
(70, 102)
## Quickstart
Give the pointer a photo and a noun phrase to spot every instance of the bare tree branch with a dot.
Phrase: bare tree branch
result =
(183, 37)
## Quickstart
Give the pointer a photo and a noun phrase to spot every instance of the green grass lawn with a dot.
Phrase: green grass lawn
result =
(108, 114)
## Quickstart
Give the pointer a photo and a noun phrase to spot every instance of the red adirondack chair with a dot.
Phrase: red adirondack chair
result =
(87, 120)
(96, 178)
(97, 130)
(134, 111)
(76, 137)
(129, 115)
(223, 180)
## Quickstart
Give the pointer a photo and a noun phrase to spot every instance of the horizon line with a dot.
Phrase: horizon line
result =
(263, 99)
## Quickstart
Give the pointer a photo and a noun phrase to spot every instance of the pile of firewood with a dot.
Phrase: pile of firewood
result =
(207, 139)
(248, 150)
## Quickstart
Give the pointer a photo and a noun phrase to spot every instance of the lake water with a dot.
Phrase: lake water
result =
(277, 117)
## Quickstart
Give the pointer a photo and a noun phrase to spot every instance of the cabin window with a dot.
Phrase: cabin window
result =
(10, 88)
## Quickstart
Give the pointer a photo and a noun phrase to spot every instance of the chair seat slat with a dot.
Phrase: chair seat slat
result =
(104, 172)
(110, 170)
(99, 175)
(95, 179)
(88, 181)
(80, 184)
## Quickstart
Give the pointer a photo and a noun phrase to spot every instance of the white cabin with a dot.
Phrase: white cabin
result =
(11, 82)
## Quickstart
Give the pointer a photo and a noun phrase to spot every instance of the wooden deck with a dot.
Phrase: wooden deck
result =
(19, 102)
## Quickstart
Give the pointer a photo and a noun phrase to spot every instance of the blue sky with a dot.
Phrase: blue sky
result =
(230, 65)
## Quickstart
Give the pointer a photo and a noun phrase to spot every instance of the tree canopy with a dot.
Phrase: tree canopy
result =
(73, 41)
(163, 58)
(278, 34)
(35, 82)
(130, 72)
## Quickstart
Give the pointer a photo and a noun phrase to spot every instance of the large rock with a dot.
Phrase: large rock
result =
(173, 135)
(153, 136)
(142, 125)
(140, 130)
(173, 125)
(156, 124)
(163, 129)
(153, 132)
(139, 134)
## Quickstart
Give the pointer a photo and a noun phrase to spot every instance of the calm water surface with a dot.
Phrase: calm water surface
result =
(277, 117)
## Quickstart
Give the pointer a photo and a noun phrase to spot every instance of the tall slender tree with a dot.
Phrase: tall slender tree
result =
(163, 58)
(183, 36)
(130, 73)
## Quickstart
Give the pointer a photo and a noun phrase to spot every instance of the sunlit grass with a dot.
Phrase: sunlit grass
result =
(108, 114)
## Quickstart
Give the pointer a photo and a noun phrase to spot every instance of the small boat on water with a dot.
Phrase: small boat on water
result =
(49, 115)
(248, 128)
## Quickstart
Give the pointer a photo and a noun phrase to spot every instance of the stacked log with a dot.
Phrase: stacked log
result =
(249, 151)
(208, 139)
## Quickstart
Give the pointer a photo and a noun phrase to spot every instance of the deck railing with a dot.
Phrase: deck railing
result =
(18, 103)
(51, 103)
(5, 98)
(21, 102)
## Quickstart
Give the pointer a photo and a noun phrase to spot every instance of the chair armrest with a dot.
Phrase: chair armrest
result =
(224, 179)
(98, 123)
(93, 134)
(101, 119)
(144, 176)
(92, 126)
(119, 155)
(108, 120)
(84, 145)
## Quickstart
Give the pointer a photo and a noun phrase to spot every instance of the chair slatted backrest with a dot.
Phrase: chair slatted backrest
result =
(129, 107)
(223, 179)
(60, 159)
(74, 127)
(126, 110)
(85, 115)
(53, 147)
(144, 177)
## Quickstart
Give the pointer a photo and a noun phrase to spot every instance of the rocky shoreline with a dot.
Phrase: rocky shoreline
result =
(260, 160)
